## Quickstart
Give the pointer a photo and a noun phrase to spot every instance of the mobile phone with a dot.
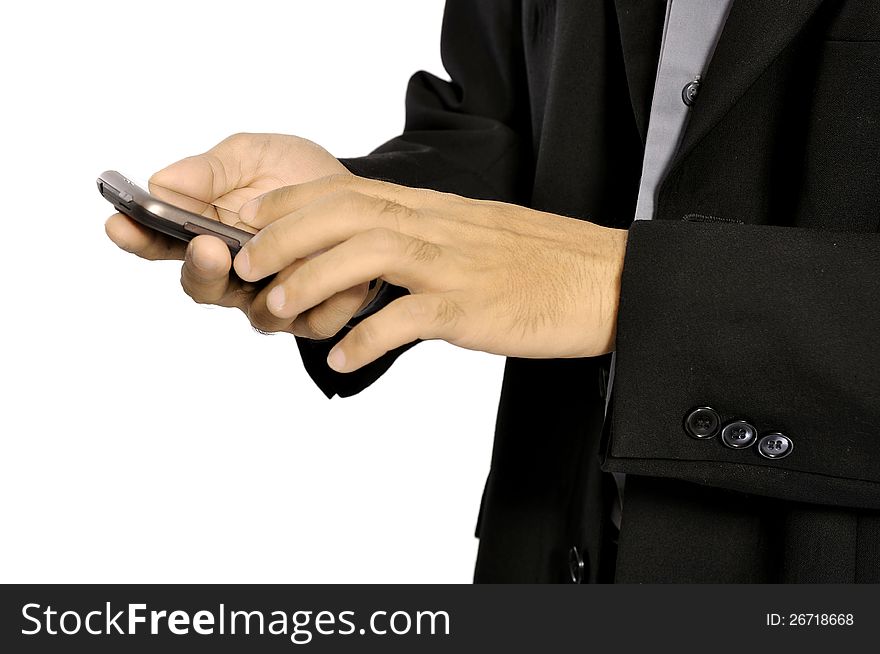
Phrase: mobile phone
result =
(151, 212)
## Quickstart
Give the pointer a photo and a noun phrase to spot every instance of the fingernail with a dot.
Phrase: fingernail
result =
(336, 359)
(243, 264)
(276, 299)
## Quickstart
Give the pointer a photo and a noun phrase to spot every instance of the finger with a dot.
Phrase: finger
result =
(397, 258)
(320, 322)
(262, 319)
(258, 313)
(205, 272)
(326, 319)
(323, 224)
(142, 241)
(192, 183)
(403, 321)
(271, 206)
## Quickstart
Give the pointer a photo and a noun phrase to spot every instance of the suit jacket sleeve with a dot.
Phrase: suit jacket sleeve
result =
(774, 325)
(461, 136)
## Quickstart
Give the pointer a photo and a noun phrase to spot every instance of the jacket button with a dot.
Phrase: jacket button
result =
(702, 422)
(603, 382)
(738, 434)
(689, 92)
(775, 446)
(577, 567)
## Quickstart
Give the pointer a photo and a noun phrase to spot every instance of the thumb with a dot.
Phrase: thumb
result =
(201, 179)
(192, 183)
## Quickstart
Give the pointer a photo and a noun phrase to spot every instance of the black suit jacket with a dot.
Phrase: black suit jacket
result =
(755, 291)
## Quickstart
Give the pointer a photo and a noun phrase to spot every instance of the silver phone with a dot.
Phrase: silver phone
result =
(151, 212)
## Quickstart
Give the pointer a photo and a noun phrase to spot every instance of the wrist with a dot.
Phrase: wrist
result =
(619, 238)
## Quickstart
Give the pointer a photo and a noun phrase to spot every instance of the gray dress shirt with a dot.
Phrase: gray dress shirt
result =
(690, 32)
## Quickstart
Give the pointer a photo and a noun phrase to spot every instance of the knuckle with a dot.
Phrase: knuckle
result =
(238, 138)
(389, 206)
(275, 202)
(261, 320)
(398, 214)
(400, 217)
(339, 310)
(242, 298)
(446, 312)
(339, 180)
(192, 290)
(432, 316)
(392, 207)
(422, 251)
(324, 323)
(414, 308)
(365, 334)
(381, 239)
(346, 200)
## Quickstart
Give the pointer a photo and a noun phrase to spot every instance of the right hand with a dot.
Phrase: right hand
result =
(228, 175)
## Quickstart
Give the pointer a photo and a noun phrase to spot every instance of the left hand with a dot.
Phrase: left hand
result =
(482, 275)
(216, 184)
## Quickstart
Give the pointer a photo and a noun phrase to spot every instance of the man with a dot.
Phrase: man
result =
(735, 436)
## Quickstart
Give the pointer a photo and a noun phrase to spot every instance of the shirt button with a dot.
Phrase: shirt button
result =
(577, 567)
(689, 92)
(738, 434)
(702, 423)
(775, 446)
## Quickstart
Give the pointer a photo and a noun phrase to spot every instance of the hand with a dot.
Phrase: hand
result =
(482, 275)
(236, 170)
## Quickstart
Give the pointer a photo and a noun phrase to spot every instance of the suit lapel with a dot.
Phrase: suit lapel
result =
(755, 33)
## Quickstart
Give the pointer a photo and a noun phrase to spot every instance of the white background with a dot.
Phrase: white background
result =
(148, 439)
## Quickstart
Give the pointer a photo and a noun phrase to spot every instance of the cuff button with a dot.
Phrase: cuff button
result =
(738, 434)
(577, 566)
(775, 446)
(702, 422)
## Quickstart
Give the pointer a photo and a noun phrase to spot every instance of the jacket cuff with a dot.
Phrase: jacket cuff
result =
(777, 327)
